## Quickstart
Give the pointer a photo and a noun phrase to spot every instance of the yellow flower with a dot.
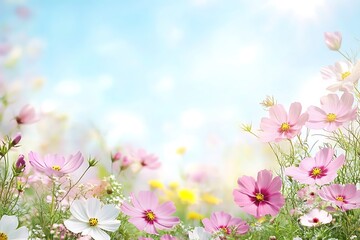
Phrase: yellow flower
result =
(194, 216)
(187, 196)
(210, 199)
(173, 185)
(156, 184)
(181, 150)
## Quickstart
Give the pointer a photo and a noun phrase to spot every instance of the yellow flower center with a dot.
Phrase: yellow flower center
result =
(259, 197)
(340, 198)
(56, 167)
(150, 216)
(316, 171)
(93, 222)
(331, 117)
(285, 127)
(345, 75)
(3, 236)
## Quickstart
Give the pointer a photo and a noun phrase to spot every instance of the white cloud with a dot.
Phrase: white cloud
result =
(124, 125)
(302, 9)
(68, 87)
(192, 119)
(104, 82)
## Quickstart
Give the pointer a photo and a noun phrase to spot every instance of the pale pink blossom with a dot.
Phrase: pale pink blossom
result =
(224, 223)
(148, 215)
(120, 161)
(281, 125)
(333, 40)
(345, 197)
(147, 160)
(320, 170)
(27, 115)
(345, 75)
(56, 165)
(308, 194)
(315, 217)
(334, 112)
(260, 197)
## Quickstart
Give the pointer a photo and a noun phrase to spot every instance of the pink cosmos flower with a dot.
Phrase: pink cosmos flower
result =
(225, 223)
(147, 160)
(333, 40)
(308, 194)
(315, 217)
(281, 125)
(27, 115)
(56, 165)
(319, 170)
(334, 112)
(345, 75)
(346, 197)
(148, 215)
(260, 197)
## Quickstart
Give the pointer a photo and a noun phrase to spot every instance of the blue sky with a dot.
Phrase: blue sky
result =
(165, 74)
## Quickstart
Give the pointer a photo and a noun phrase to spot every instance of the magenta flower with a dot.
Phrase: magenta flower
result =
(280, 125)
(334, 112)
(333, 40)
(315, 217)
(225, 223)
(56, 165)
(27, 115)
(319, 170)
(168, 237)
(147, 160)
(346, 197)
(20, 164)
(148, 215)
(260, 197)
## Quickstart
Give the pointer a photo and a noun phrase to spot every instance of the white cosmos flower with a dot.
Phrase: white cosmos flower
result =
(89, 217)
(8, 231)
(315, 217)
(199, 233)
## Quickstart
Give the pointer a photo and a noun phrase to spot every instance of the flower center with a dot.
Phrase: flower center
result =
(150, 216)
(345, 75)
(284, 127)
(93, 222)
(316, 220)
(225, 229)
(316, 171)
(340, 198)
(331, 117)
(3, 236)
(56, 167)
(259, 197)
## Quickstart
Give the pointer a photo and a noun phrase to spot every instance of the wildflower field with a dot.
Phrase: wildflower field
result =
(50, 191)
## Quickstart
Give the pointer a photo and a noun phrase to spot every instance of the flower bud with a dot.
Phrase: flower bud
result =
(116, 157)
(16, 139)
(20, 164)
(333, 40)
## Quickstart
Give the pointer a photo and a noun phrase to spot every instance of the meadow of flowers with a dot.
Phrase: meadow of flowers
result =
(312, 194)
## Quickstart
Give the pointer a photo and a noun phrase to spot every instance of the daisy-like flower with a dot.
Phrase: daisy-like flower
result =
(315, 217)
(148, 215)
(199, 233)
(319, 170)
(89, 217)
(9, 230)
(56, 165)
(281, 125)
(334, 112)
(345, 197)
(333, 40)
(146, 160)
(27, 115)
(260, 197)
(224, 223)
(344, 73)
(308, 194)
